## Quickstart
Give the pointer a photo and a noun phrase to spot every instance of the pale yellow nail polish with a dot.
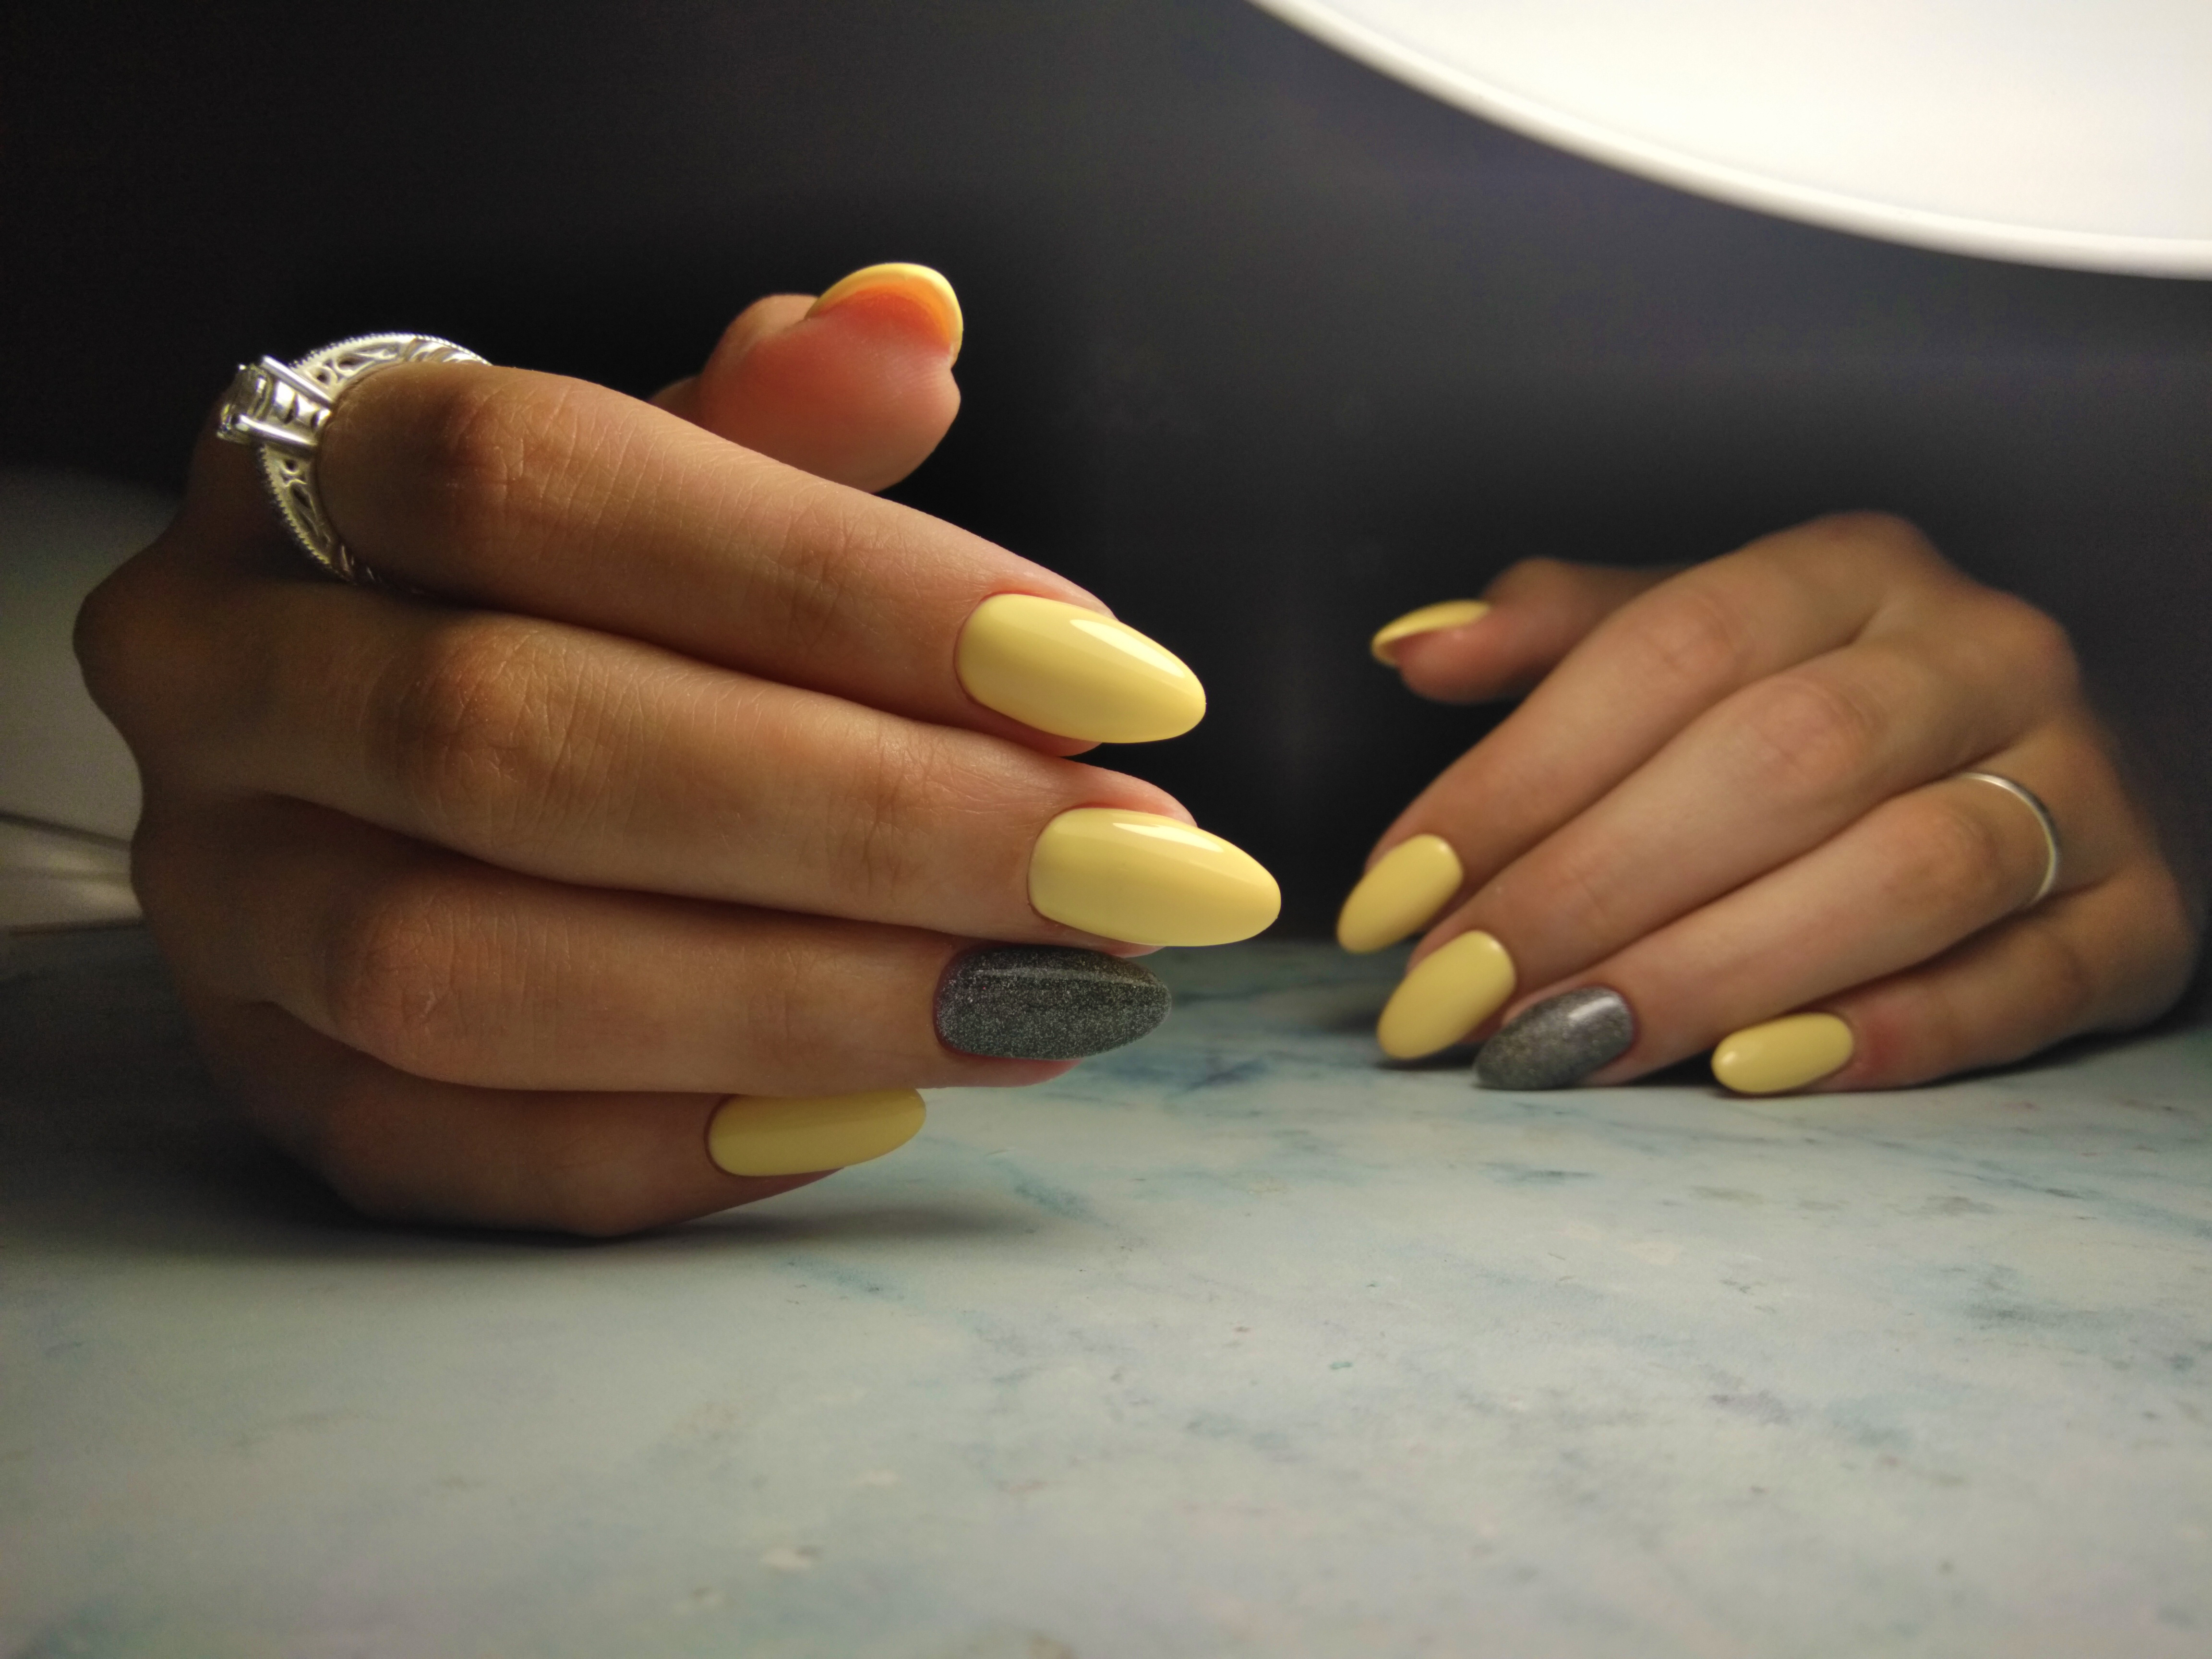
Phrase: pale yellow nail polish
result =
(783, 1134)
(924, 286)
(1452, 613)
(1450, 992)
(1075, 673)
(1783, 1053)
(1149, 880)
(1407, 887)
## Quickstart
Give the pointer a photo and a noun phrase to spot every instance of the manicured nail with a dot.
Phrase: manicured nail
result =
(1150, 880)
(1449, 993)
(779, 1135)
(1452, 613)
(917, 284)
(1046, 1002)
(1782, 1055)
(1558, 1042)
(1075, 673)
(1406, 888)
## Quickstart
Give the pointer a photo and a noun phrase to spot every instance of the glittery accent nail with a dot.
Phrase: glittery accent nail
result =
(1046, 1002)
(1558, 1042)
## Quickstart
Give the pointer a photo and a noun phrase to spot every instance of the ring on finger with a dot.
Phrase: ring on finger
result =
(2044, 822)
(280, 410)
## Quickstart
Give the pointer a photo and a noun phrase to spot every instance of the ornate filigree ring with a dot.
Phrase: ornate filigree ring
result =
(280, 409)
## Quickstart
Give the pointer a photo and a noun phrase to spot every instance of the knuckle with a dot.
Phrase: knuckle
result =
(2071, 982)
(1809, 728)
(1885, 535)
(123, 646)
(1951, 860)
(397, 969)
(1694, 633)
(486, 449)
(474, 723)
(2033, 646)
(354, 1148)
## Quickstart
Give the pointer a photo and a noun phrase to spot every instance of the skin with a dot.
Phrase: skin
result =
(481, 904)
(1731, 795)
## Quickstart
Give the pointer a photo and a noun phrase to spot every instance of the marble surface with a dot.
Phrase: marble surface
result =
(1232, 1342)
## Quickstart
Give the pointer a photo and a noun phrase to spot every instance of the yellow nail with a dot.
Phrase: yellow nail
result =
(919, 283)
(1783, 1053)
(1401, 893)
(1075, 673)
(1452, 613)
(1150, 880)
(1448, 994)
(779, 1135)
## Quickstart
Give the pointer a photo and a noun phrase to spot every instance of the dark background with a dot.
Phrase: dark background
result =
(1262, 347)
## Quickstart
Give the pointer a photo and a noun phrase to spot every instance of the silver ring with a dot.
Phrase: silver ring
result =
(2044, 822)
(280, 409)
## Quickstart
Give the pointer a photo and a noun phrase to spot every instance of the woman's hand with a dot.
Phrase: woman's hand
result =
(699, 776)
(1731, 813)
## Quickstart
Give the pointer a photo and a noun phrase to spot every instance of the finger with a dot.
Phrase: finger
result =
(557, 499)
(1815, 747)
(856, 386)
(448, 968)
(2107, 958)
(1899, 887)
(1498, 645)
(1660, 661)
(400, 1148)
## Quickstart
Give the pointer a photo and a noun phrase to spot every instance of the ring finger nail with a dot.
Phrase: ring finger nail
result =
(1403, 890)
(1783, 1053)
(779, 1135)
(1148, 879)
(1558, 1041)
(1447, 995)
(1046, 1002)
(1075, 673)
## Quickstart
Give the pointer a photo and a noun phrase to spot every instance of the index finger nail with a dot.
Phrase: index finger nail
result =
(918, 285)
(1429, 619)
(1075, 673)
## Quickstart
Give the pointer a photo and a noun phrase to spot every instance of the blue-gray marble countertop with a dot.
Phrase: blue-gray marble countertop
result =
(1233, 1342)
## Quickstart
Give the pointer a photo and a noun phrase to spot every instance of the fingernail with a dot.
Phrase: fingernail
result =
(1450, 992)
(924, 288)
(1075, 673)
(1150, 880)
(1558, 1041)
(779, 1134)
(1405, 888)
(1046, 1002)
(1783, 1053)
(1452, 613)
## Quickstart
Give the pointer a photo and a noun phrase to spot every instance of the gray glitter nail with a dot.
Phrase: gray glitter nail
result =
(1558, 1042)
(1046, 1002)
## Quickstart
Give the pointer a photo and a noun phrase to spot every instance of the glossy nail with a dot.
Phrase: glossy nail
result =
(1404, 891)
(1558, 1042)
(1449, 993)
(1783, 1053)
(1147, 879)
(779, 1135)
(918, 285)
(1074, 672)
(1451, 613)
(1046, 1002)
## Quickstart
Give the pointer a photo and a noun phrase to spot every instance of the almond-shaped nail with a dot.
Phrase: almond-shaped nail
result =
(1075, 673)
(1403, 892)
(1429, 619)
(781, 1134)
(1446, 994)
(1046, 1002)
(920, 286)
(1782, 1055)
(1148, 879)
(1558, 1042)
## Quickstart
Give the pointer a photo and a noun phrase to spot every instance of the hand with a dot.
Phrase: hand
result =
(1734, 796)
(694, 780)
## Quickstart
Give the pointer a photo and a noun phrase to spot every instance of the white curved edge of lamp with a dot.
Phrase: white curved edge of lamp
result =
(2146, 256)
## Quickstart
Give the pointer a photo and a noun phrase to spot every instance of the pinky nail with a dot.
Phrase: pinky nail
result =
(918, 285)
(1782, 1055)
(780, 1136)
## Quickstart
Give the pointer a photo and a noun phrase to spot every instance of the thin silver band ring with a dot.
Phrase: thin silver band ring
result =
(2044, 822)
